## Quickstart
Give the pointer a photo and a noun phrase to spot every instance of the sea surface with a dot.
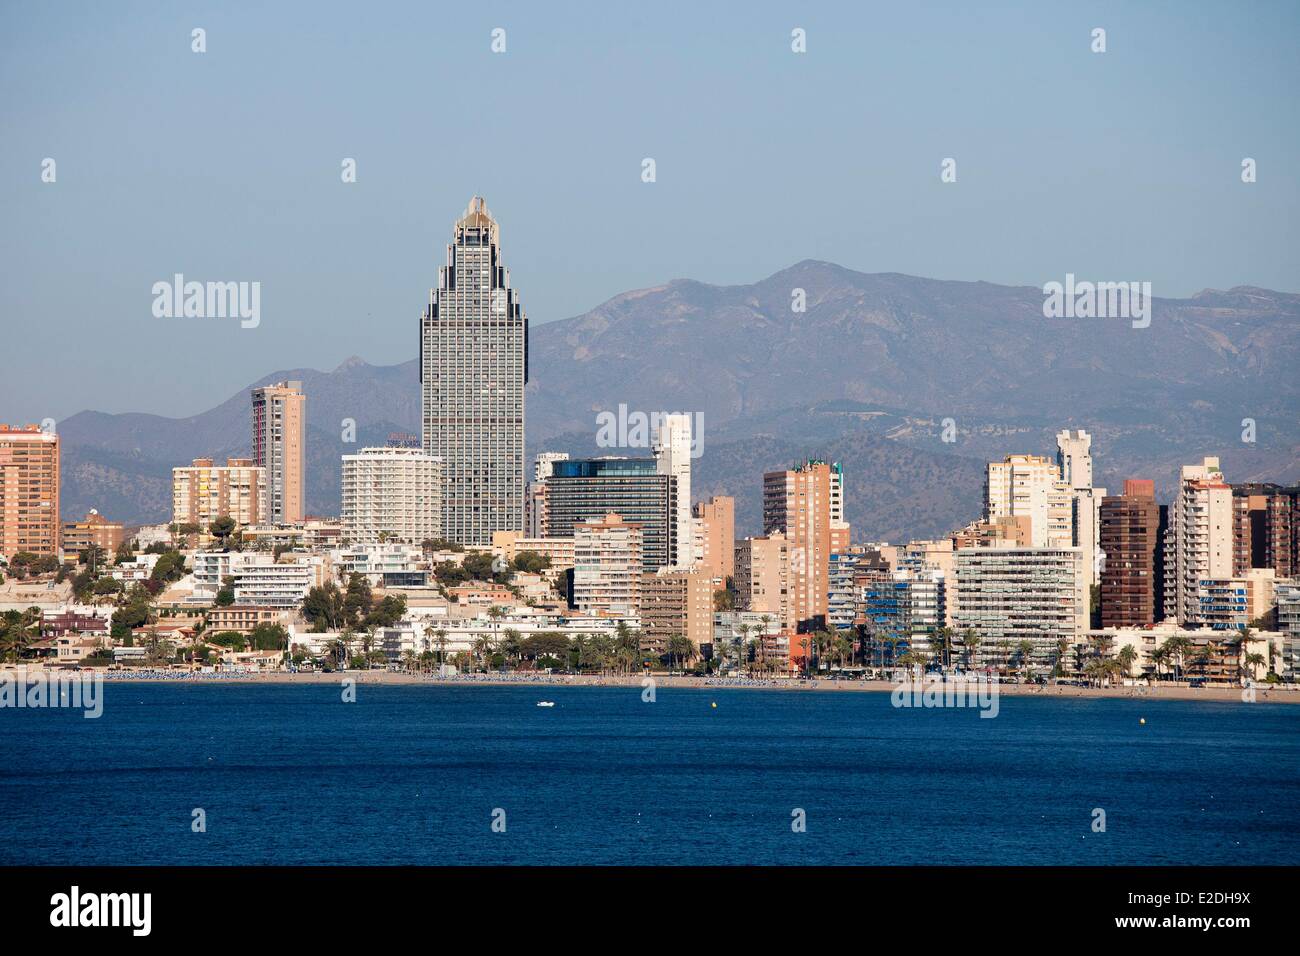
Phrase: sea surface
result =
(291, 774)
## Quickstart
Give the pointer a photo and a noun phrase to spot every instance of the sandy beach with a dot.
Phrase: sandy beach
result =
(1263, 693)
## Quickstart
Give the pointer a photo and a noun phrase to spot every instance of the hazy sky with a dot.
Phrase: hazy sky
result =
(225, 165)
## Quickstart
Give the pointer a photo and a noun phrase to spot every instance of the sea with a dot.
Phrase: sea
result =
(259, 773)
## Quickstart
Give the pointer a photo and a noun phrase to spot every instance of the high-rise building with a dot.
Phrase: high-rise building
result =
(1199, 540)
(535, 492)
(1014, 595)
(607, 567)
(762, 577)
(204, 491)
(1266, 528)
(1030, 486)
(797, 503)
(1074, 461)
(672, 448)
(473, 369)
(1132, 574)
(840, 528)
(1074, 458)
(29, 491)
(715, 521)
(587, 488)
(280, 447)
(395, 493)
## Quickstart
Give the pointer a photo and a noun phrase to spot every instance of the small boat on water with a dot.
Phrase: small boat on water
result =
(546, 703)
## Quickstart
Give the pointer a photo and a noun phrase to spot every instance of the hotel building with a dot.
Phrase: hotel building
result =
(588, 488)
(676, 602)
(473, 369)
(393, 493)
(797, 503)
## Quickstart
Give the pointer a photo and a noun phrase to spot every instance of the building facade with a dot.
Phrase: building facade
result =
(797, 503)
(715, 521)
(585, 489)
(1014, 595)
(1199, 541)
(391, 494)
(1132, 573)
(607, 567)
(29, 491)
(280, 448)
(92, 531)
(473, 369)
(204, 491)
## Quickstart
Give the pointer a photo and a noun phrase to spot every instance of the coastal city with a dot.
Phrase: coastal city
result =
(452, 556)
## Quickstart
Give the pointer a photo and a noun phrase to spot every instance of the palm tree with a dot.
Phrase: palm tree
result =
(1126, 658)
(1159, 657)
(941, 641)
(1024, 649)
(971, 641)
(1253, 662)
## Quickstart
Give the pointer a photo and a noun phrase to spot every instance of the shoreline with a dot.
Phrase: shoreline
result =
(1263, 693)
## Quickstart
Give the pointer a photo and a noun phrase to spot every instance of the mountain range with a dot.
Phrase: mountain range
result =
(868, 374)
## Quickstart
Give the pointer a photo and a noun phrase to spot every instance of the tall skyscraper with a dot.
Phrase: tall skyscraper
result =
(797, 503)
(29, 491)
(280, 447)
(473, 369)
(672, 447)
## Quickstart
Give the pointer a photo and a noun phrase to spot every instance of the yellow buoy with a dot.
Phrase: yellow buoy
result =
(713, 704)
(1142, 720)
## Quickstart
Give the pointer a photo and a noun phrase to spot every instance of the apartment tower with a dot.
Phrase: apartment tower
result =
(280, 447)
(1132, 574)
(29, 491)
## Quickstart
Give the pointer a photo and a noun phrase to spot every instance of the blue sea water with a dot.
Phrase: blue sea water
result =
(413, 774)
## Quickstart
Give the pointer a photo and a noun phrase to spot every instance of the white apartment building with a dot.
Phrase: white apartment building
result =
(391, 494)
(672, 448)
(607, 567)
(1030, 486)
(1011, 594)
(1199, 540)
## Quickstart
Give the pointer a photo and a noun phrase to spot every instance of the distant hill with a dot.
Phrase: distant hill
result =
(865, 376)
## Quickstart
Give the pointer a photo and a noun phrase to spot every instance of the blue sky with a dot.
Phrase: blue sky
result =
(225, 165)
